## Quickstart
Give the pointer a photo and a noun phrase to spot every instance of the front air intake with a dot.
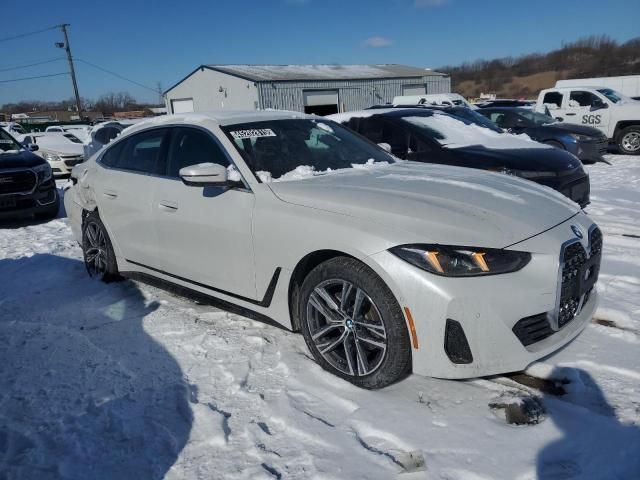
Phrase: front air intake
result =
(456, 345)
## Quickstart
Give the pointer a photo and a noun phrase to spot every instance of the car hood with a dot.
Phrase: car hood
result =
(529, 159)
(435, 203)
(20, 159)
(571, 128)
(62, 148)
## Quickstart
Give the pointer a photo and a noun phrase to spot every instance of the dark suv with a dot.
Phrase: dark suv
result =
(27, 186)
(466, 139)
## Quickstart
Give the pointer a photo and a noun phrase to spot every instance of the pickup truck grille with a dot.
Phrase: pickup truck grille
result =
(21, 181)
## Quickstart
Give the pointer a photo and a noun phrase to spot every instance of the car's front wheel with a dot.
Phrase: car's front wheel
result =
(353, 324)
(629, 140)
(99, 257)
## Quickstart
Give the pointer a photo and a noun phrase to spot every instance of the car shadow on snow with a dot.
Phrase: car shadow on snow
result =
(85, 392)
(594, 442)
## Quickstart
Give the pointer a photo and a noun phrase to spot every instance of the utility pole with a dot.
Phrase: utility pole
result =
(67, 47)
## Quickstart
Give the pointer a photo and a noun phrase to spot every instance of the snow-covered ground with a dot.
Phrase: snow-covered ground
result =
(125, 381)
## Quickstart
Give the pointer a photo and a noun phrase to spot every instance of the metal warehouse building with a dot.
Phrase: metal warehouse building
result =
(319, 89)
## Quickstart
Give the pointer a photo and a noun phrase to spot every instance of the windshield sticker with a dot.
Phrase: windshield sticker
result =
(6, 141)
(254, 133)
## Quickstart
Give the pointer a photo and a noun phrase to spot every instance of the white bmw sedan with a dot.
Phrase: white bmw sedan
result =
(384, 266)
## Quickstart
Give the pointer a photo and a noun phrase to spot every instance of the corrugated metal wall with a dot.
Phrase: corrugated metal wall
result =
(352, 94)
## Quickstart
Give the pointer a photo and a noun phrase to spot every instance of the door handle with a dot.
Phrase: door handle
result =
(167, 206)
(110, 194)
(569, 114)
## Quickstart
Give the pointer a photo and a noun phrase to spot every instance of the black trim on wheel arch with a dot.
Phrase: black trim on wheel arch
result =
(265, 302)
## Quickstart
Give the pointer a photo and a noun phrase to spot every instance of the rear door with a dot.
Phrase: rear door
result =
(205, 233)
(124, 192)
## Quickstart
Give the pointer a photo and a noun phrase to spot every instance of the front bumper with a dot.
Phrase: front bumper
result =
(64, 166)
(487, 309)
(575, 186)
(591, 151)
(42, 199)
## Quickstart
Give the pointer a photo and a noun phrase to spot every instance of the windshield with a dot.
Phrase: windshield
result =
(537, 118)
(454, 132)
(612, 95)
(72, 137)
(301, 148)
(7, 143)
(473, 117)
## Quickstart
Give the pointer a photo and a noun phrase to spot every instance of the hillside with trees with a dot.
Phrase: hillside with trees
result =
(525, 76)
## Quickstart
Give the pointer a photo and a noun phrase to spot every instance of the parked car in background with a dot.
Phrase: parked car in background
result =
(100, 135)
(13, 128)
(63, 151)
(433, 136)
(614, 114)
(27, 186)
(446, 99)
(587, 143)
(80, 131)
(505, 102)
(385, 266)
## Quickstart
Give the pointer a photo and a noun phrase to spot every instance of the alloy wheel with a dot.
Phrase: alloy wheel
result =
(95, 256)
(631, 142)
(346, 327)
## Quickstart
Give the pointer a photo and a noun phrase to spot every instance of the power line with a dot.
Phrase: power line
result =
(18, 67)
(33, 78)
(115, 74)
(21, 35)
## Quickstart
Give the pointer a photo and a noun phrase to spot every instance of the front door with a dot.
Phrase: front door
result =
(204, 232)
(580, 110)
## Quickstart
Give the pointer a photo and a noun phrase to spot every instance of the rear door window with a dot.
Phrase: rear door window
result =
(553, 98)
(143, 152)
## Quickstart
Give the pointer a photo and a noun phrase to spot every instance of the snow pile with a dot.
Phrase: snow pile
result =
(124, 380)
(458, 134)
(302, 172)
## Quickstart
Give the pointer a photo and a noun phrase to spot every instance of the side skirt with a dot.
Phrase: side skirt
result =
(204, 298)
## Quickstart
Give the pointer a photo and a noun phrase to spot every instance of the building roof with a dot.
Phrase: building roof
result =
(289, 73)
(275, 73)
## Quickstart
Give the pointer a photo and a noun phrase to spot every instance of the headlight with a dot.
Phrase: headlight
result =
(452, 261)
(44, 172)
(51, 157)
(529, 174)
(581, 138)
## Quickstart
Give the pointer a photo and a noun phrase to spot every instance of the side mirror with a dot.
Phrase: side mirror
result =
(385, 146)
(204, 175)
(597, 104)
(32, 147)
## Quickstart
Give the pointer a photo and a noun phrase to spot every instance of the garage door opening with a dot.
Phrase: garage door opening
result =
(183, 105)
(320, 102)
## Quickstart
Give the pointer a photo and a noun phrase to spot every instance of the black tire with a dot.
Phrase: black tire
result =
(553, 143)
(51, 211)
(628, 140)
(379, 309)
(93, 232)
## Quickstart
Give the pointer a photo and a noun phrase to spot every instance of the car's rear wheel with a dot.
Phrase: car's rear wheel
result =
(99, 257)
(629, 140)
(353, 324)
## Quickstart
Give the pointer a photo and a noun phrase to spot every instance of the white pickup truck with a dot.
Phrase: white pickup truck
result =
(616, 115)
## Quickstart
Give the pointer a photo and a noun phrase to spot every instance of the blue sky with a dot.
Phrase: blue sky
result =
(163, 40)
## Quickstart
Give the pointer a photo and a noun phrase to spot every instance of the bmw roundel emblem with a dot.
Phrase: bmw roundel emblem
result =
(576, 231)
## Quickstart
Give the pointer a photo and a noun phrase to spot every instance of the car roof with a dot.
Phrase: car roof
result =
(506, 109)
(222, 118)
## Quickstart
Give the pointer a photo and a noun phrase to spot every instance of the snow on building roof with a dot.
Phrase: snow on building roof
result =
(275, 73)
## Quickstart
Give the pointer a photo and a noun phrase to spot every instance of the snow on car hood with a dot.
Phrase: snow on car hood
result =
(436, 203)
